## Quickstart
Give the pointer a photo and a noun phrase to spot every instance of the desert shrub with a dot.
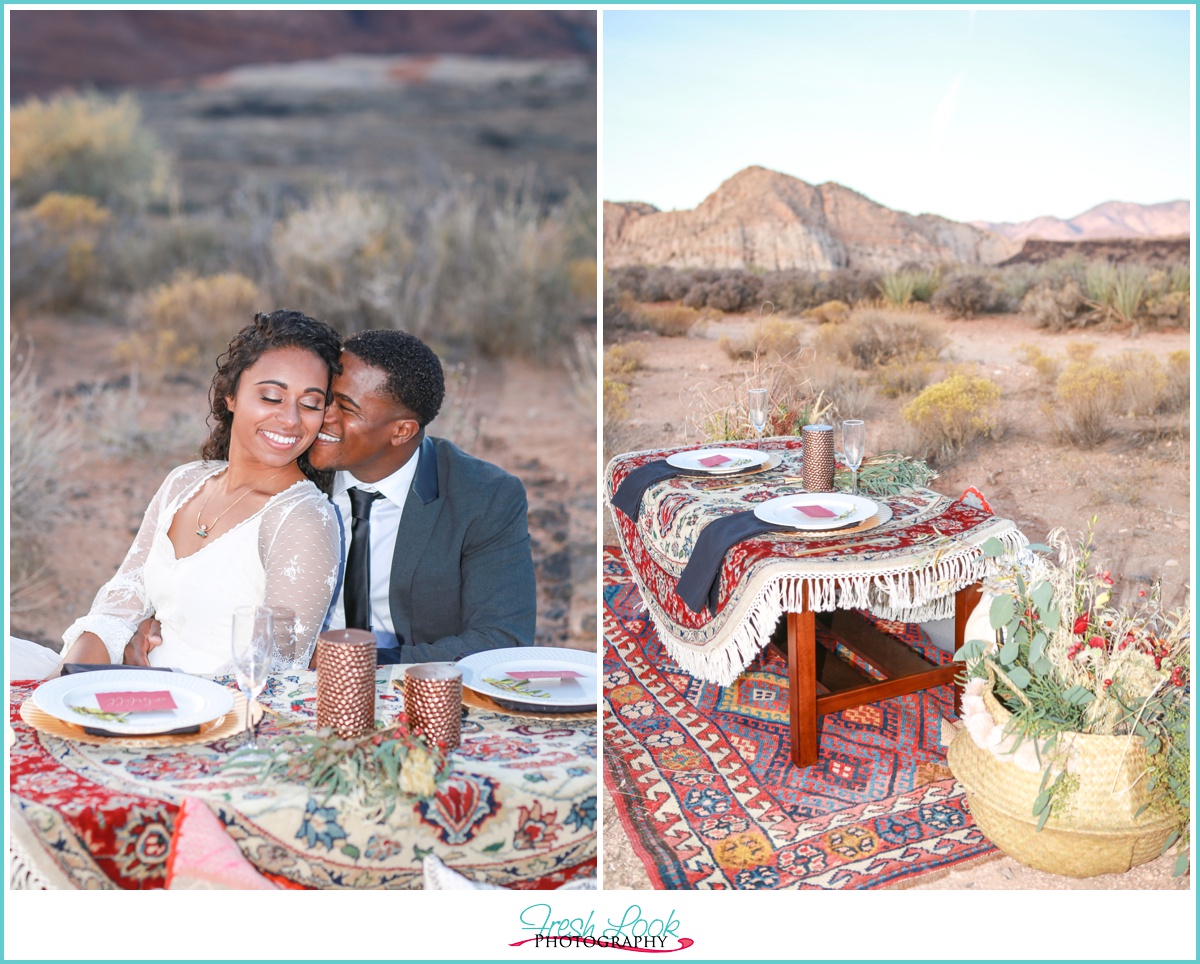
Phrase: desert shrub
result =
(41, 444)
(925, 284)
(1169, 309)
(484, 267)
(1015, 282)
(905, 374)
(1128, 292)
(1056, 305)
(1048, 367)
(734, 294)
(896, 288)
(1098, 280)
(616, 405)
(793, 292)
(185, 324)
(55, 252)
(829, 313)
(1086, 396)
(967, 295)
(772, 337)
(340, 258)
(1178, 394)
(84, 144)
(581, 277)
(697, 295)
(952, 414)
(1149, 387)
(849, 394)
(872, 338)
(1080, 351)
(664, 284)
(624, 359)
(670, 321)
(145, 251)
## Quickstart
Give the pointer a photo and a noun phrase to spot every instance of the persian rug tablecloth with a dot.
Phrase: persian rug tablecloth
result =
(703, 783)
(519, 808)
(907, 569)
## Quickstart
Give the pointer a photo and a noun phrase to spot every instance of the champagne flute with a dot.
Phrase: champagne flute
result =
(854, 443)
(253, 638)
(284, 657)
(758, 412)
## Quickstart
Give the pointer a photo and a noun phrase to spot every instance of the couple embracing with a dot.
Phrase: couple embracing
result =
(319, 490)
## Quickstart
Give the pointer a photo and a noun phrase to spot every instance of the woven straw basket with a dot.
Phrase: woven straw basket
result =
(1098, 830)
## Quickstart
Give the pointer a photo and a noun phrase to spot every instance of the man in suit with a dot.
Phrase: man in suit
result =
(438, 560)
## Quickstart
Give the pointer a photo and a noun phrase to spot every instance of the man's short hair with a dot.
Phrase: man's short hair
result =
(414, 372)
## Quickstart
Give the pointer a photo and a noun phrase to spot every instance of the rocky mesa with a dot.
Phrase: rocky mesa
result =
(762, 219)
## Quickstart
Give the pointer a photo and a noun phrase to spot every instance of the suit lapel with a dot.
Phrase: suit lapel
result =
(421, 510)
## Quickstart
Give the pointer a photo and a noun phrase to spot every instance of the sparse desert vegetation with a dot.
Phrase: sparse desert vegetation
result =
(124, 291)
(1071, 400)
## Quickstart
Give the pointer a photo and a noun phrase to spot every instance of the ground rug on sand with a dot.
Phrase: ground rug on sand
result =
(703, 782)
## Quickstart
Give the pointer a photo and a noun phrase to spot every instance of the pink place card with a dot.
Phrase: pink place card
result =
(544, 674)
(815, 511)
(141, 701)
(714, 460)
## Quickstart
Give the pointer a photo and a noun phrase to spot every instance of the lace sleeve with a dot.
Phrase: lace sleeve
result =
(121, 604)
(300, 546)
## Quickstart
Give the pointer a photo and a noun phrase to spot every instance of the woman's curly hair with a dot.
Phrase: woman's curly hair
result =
(278, 329)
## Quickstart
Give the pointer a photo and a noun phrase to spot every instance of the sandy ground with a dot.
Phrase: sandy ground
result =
(528, 419)
(1140, 493)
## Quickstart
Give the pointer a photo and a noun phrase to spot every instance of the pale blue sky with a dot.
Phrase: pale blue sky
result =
(996, 114)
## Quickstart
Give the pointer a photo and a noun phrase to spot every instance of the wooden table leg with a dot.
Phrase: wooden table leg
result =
(802, 684)
(965, 601)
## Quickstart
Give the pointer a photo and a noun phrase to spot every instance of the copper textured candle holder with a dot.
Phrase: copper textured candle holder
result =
(346, 681)
(818, 457)
(433, 701)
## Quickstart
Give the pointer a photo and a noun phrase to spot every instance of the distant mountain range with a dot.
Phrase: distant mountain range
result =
(1112, 219)
(762, 219)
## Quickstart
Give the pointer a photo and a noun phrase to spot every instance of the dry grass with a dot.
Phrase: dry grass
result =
(874, 337)
(773, 338)
(41, 447)
(1048, 367)
(670, 321)
(624, 359)
(829, 313)
(1086, 396)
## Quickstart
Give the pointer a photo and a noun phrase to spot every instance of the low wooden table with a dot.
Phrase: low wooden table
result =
(925, 563)
(820, 683)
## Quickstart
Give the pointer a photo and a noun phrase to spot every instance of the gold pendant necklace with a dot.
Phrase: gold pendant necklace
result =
(202, 528)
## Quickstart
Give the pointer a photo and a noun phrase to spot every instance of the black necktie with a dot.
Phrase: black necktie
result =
(358, 561)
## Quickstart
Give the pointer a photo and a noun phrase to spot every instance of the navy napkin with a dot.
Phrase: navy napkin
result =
(628, 497)
(700, 583)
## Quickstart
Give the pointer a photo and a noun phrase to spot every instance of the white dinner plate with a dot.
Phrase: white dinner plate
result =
(849, 509)
(196, 700)
(486, 673)
(740, 460)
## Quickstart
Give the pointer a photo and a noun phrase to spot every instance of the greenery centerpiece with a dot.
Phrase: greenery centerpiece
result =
(1077, 713)
(377, 770)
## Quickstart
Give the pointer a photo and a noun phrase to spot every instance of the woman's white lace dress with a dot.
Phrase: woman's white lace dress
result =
(286, 554)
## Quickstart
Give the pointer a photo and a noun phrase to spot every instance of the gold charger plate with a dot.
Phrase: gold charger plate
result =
(481, 702)
(228, 725)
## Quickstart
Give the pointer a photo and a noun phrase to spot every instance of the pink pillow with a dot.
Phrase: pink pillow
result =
(204, 857)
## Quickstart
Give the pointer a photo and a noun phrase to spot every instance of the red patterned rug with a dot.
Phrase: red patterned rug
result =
(707, 794)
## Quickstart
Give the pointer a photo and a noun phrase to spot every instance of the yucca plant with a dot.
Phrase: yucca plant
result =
(897, 288)
(1128, 292)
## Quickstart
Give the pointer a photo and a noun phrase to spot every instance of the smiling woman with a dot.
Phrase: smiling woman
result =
(262, 532)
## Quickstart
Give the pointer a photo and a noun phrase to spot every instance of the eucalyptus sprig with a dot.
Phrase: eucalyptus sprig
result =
(887, 473)
(376, 769)
(107, 716)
